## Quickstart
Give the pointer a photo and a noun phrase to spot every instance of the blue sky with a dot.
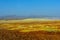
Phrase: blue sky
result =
(30, 7)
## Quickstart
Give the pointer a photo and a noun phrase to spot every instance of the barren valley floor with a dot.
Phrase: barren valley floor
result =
(35, 30)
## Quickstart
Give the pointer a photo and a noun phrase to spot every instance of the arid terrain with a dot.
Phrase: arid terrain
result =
(30, 30)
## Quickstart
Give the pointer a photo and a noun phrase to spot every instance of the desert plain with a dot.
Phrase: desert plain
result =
(30, 29)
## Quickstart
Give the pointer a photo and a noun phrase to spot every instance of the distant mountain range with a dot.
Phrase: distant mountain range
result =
(23, 17)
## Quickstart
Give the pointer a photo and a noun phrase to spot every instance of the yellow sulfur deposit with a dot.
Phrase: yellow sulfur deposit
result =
(28, 25)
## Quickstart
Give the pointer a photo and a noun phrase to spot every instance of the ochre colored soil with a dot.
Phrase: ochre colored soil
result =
(17, 34)
(36, 35)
